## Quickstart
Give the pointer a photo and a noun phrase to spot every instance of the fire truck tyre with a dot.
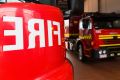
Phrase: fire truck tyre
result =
(81, 55)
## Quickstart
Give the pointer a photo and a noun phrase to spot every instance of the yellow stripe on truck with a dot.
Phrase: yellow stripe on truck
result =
(67, 35)
(109, 45)
(108, 36)
(105, 37)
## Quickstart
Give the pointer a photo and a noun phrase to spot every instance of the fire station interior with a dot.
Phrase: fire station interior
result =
(92, 45)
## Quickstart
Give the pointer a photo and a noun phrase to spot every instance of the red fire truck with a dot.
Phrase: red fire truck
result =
(32, 43)
(95, 35)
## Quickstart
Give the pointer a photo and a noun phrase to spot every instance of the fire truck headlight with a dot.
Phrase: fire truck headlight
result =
(100, 51)
(104, 51)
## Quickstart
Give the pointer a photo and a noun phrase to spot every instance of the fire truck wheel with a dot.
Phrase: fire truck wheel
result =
(81, 55)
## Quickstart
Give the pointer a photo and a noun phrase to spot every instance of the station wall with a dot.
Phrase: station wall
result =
(107, 6)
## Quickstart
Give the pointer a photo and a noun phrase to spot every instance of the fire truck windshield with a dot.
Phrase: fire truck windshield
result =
(107, 23)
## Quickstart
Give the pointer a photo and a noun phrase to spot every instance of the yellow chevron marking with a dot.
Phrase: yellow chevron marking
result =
(85, 37)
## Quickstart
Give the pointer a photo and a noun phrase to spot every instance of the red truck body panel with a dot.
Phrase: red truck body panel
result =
(106, 34)
(32, 43)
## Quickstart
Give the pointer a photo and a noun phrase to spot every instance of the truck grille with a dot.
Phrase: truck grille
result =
(114, 49)
(112, 41)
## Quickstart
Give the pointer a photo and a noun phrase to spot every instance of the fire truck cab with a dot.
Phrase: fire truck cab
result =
(98, 36)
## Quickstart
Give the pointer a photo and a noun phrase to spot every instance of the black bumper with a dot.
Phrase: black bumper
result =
(110, 52)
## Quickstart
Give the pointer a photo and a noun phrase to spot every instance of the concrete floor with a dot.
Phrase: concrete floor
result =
(95, 70)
